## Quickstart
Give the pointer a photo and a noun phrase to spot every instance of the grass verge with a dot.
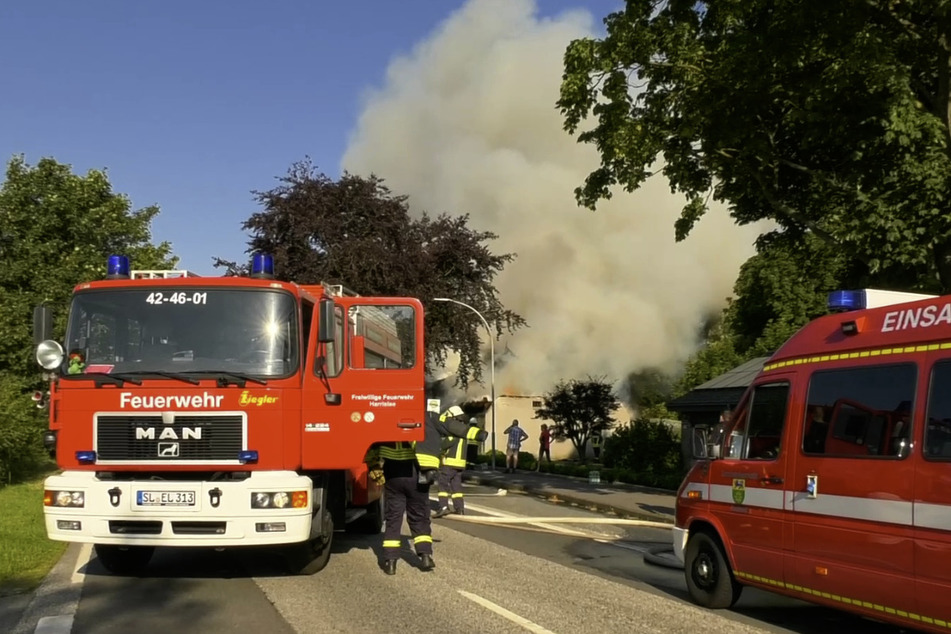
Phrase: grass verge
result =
(26, 553)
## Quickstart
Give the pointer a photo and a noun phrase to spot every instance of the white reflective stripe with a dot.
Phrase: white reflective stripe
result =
(752, 496)
(936, 516)
(873, 510)
(899, 512)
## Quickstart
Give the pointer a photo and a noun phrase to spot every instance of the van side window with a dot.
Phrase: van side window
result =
(758, 432)
(938, 428)
(860, 412)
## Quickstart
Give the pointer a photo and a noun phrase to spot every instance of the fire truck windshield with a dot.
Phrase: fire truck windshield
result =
(192, 330)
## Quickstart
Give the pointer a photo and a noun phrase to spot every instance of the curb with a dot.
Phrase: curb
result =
(475, 478)
(663, 557)
(53, 604)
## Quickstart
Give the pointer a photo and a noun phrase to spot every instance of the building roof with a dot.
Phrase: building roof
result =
(740, 376)
(721, 392)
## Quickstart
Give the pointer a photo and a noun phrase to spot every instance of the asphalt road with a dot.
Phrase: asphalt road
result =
(538, 576)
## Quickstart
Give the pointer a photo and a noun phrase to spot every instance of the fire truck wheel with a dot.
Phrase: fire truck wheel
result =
(372, 522)
(709, 578)
(310, 557)
(124, 560)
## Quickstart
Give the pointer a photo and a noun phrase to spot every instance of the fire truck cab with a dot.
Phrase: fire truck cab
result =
(223, 411)
(832, 481)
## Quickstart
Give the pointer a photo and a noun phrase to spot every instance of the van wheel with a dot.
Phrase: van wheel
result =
(710, 581)
(124, 560)
(312, 556)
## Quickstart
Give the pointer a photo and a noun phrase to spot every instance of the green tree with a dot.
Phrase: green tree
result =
(57, 229)
(649, 390)
(355, 232)
(579, 409)
(829, 118)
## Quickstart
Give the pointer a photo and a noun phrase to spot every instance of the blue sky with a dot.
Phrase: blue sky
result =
(190, 105)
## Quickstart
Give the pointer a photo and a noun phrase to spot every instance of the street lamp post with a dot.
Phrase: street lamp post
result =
(491, 362)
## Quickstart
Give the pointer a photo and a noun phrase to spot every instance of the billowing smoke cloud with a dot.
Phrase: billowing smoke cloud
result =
(466, 123)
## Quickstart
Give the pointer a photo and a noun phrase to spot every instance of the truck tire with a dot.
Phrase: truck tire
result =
(372, 522)
(124, 560)
(310, 557)
(710, 580)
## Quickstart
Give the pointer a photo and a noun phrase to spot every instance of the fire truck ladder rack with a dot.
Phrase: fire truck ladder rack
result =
(160, 275)
(338, 290)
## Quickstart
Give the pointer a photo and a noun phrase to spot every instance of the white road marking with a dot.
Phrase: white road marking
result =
(54, 625)
(550, 527)
(511, 616)
(85, 552)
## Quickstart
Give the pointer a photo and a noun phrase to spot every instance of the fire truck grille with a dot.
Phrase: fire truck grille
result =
(189, 437)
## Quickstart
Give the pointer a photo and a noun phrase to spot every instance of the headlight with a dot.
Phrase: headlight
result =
(66, 499)
(279, 500)
(49, 354)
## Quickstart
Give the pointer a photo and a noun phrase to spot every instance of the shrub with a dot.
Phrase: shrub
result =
(645, 447)
(21, 432)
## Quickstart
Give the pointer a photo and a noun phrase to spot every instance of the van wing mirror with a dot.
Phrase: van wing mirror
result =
(702, 447)
(42, 324)
(325, 321)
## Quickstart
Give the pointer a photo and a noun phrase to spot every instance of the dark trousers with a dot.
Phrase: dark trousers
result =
(405, 495)
(450, 486)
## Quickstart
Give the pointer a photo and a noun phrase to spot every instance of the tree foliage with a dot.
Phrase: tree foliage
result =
(57, 229)
(357, 233)
(648, 391)
(579, 409)
(829, 118)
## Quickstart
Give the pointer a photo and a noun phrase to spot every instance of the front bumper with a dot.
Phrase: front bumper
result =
(220, 516)
(679, 537)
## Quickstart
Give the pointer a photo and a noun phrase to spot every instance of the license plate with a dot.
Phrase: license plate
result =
(165, 498)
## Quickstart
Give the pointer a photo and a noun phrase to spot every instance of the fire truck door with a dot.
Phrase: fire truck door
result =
(746, 489)
(367, 385)
(852, 486)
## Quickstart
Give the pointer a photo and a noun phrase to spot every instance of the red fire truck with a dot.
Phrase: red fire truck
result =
(223, 411)
(832, 481)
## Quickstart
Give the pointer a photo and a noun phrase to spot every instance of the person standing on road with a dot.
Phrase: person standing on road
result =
(453, 464)
(544, 446)
(516, 436)
(405, 490)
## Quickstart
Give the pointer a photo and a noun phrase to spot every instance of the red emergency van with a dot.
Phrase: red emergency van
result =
(832, 481)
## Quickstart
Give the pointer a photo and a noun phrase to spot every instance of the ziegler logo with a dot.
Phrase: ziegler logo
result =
(247, 398)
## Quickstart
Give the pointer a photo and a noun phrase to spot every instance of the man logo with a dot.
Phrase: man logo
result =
(168, 450)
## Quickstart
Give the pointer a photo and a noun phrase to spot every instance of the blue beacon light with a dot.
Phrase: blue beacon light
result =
(117, 268)
(262, 266)
(841, 301)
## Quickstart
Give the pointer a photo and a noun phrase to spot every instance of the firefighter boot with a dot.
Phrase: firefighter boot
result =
(442, 512)
(426, 562)
(389, 566)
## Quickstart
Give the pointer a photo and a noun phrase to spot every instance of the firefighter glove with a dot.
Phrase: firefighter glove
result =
(377, 476)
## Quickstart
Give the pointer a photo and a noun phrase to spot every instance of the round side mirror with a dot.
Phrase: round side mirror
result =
(49, 354)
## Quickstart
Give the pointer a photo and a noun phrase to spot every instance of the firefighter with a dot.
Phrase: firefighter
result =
(405, 490)
(450, 471)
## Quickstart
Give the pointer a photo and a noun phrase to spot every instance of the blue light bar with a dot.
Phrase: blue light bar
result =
(262, 265)
(248, 456)
(842, 301)
(117, 268)
(86, 457)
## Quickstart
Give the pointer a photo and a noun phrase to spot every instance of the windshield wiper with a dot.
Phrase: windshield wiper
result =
(227, 378)
(168, 375)
(101, 378)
